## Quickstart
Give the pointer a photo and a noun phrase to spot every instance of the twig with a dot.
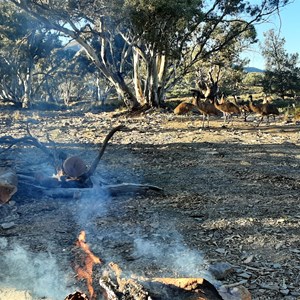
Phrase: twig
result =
(230, 285)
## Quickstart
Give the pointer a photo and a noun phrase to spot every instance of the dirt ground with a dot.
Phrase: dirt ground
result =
(231, 194)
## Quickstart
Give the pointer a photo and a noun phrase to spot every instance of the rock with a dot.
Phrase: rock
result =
(277, 266)
(7, 225)
(285, 292)
(242, 292)
(249, 259)
(220, 270)
(235, 293)
(221, 250)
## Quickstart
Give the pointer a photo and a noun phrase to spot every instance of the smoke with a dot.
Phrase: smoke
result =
(37, 273)
(90, 206)
(173, 256)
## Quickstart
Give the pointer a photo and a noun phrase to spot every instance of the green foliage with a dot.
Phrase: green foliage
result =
(25, 45)
(282, 74)
(154, 42)
(161, 23)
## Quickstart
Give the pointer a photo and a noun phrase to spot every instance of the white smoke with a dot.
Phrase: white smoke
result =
(90, 206)
(174, 256)
(37, 273)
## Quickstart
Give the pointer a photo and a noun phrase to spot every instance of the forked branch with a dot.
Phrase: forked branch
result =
(96, 161)
(27, 140)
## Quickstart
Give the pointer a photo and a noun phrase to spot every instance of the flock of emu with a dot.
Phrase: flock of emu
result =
(215, 106)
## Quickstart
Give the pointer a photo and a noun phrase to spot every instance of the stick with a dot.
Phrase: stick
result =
(95, 163)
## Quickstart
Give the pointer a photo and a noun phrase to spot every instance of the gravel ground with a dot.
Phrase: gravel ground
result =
(231, 195)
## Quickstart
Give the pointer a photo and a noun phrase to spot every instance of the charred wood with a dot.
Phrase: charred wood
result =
(77, 296)
(96, 161)
(113, 190)
(8, 184)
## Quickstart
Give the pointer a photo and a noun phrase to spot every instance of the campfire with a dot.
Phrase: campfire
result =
(112, 285)
(72, 179)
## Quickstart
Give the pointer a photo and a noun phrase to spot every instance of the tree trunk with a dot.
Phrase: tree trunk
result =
(98, 91)
(136, 78)
(161, 66)
(153, 81)
(126, 94)
(27, 89)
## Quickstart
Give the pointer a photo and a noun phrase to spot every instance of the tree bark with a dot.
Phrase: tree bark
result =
(136, 78)
(27, 88)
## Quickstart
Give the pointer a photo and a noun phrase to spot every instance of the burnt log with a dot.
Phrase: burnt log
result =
(112, 190)
(68, 168)
(8, 184)
(116, 287)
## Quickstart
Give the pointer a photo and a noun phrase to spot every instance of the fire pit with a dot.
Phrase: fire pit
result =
(114, 286)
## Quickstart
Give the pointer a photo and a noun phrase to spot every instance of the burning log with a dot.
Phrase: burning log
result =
(8, 184)
(115, 287)
(74, 167)
(170, 289)
(123, 288)
(156, 288)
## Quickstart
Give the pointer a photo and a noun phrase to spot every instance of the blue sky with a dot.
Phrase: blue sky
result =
(287, 25)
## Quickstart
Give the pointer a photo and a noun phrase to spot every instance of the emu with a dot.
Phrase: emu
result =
(228, 109)
(206, 108)
(265, 109)
(183, 108)
(243, 105)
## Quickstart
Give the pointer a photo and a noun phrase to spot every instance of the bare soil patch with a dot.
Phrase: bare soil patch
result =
(231, 195)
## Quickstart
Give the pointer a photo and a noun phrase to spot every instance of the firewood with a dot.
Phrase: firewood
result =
(109, 288)
(8, 184)
(96, 161)
(113, 190)
(123, 288)
(74, 166)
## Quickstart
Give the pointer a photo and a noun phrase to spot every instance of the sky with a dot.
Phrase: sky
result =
(287, 25)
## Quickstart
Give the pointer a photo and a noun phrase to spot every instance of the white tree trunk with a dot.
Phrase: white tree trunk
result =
(136, 78)
(27, 89)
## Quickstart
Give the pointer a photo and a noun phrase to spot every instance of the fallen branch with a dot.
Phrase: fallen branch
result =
(27, 140)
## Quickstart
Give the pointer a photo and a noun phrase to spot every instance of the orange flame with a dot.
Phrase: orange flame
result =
(86, 271)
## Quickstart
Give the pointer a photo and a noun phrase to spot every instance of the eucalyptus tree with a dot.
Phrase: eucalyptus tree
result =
(24, 44)
(282, 72)
(143, 47)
